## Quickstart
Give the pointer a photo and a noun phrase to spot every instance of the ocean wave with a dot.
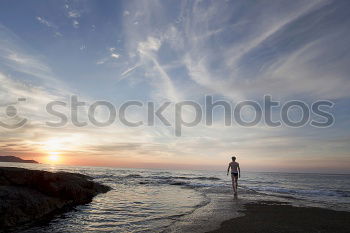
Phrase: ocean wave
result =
(186, 178)
(259, 182)
(163, 182)
(304, 192)
(211, 178)
(104, 176)
(132, 176)
(179, 183)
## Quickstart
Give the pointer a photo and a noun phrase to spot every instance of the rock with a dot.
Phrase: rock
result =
(27, 196)
(14, 159)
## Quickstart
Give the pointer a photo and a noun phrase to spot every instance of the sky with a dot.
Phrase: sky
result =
(159, 51)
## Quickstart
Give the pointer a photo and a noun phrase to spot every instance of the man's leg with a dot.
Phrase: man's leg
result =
(234, 184)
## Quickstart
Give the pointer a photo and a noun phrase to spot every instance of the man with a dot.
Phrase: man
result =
(235, 173)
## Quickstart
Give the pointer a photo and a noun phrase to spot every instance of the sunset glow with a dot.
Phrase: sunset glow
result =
(54, 158)
(170, 52)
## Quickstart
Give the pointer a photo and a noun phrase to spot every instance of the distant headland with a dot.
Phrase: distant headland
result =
(14, 159)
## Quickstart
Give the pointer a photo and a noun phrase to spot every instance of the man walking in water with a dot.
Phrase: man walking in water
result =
(235, 173)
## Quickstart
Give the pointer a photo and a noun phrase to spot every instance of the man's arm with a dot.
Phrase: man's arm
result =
(228, 169)
(239, 171)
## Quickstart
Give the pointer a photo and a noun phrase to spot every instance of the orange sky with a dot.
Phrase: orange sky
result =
(327, 166)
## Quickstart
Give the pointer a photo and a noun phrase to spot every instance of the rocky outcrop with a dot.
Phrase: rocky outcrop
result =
(27, 196)
(14, 159)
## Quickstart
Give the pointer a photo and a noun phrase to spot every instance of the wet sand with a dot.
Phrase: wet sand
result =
(268, 217)
(219, 208)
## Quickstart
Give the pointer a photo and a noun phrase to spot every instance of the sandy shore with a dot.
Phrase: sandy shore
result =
(279, 217)
(220, 207)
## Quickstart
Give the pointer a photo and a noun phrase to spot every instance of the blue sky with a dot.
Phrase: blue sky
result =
(173, 51)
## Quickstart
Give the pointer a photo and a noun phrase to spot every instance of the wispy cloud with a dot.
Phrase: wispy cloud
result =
(75, 23)
(19, 59)
(127, 71)
(182, 50)
(50, 25)
(73, 14)
(115, 55)
(45, 22)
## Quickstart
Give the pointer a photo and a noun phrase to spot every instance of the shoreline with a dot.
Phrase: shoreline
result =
(273, 216)
(254, 212)
(221, 206)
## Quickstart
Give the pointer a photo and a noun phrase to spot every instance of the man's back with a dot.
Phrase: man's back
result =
(234, 167)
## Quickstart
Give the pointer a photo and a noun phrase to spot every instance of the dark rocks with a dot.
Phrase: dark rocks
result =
(14, 159)
(27, 196)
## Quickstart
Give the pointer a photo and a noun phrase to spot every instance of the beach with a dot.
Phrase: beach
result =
(281, 217)
(226, 214)
(159, 200)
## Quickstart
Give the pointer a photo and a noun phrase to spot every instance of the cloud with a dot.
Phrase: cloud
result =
(74, 14)
(239, 51)
(21, 60)
(75, 23)
(151, 44)
(254, 65)
(101, 61)
(45, 22)
(183, 51)
(127, 71)
(115, 55)
(246, 56)
(50, 25)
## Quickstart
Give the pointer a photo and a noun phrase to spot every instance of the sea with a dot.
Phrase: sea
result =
(155, 200)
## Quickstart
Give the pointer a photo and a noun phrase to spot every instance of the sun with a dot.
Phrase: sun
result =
(54, 158)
